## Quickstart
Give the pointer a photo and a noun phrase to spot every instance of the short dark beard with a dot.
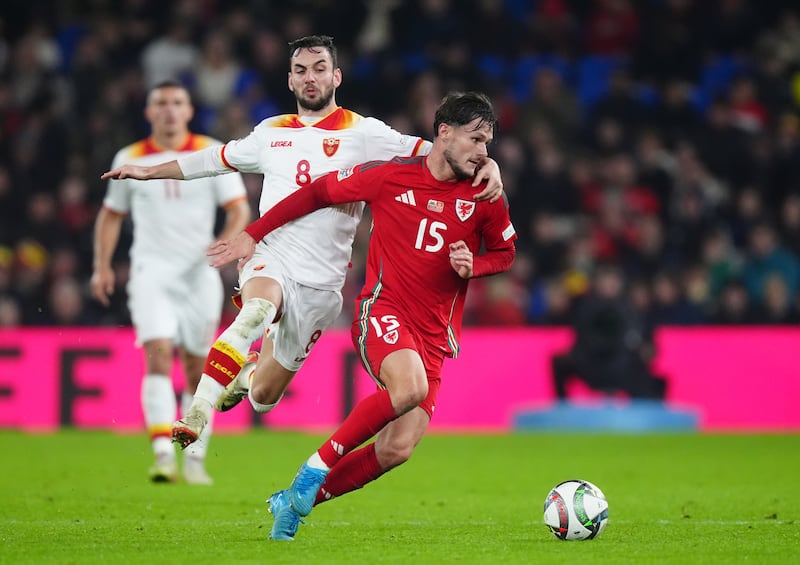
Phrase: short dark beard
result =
(315, 106)
(458, 171)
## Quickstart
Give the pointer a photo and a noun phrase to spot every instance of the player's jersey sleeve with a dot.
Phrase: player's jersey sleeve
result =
(498, 231)
(244, 154)
(227, 188)
(118, 192)
(383, 142)
(240, 155)
(362, 182)
(498, 235)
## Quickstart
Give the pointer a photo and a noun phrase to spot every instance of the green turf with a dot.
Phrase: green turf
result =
(82, 497)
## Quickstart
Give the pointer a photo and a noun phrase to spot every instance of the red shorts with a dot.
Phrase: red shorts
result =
(381, 332)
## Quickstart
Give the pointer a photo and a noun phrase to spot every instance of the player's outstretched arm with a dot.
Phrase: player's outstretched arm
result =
(239, 248)
(167, 170)
(299, 203)
(489, 171)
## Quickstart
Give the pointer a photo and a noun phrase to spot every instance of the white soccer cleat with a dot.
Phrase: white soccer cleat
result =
(194, 472)
(237, 389)
(186, 430)
(164, 469)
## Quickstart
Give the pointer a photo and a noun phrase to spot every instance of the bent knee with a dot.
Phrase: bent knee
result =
(394, 454)
(409, 398)
(265, 393)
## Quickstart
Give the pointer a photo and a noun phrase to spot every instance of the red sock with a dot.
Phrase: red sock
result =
(367, 418)
(220, 364)
(355, 469)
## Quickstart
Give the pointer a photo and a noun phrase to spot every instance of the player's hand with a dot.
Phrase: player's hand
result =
(239, 248)
(489, 171)
(102, 284)
(127, 172)
(461, 259)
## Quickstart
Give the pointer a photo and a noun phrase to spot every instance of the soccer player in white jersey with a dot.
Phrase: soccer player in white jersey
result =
(174, 296)
(291, 288)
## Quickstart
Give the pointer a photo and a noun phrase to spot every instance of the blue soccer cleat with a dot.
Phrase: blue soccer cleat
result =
(286, 519)
(304, 488)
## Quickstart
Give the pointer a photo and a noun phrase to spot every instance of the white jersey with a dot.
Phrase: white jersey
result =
(316, 248)
(173, 221)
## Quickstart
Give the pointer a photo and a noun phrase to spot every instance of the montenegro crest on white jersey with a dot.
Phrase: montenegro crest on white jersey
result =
(464, 209)
(330, 145)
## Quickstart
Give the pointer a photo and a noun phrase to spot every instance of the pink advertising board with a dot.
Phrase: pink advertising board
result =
(734, 379)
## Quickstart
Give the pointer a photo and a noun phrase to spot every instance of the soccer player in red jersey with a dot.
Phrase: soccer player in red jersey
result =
(427, 233)
(291, 286)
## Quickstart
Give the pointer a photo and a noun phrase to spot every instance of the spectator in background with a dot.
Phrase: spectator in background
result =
(670, 40)
(767, 257)
(546, 188)
(10, 312)
(649, 251)
(734, 306)
(778, 307)
(720, 260)
(783, 178)
(749, 209)
(732, 25)
(790, 224)
(617, 208)
(67, 305)
(656, 167)
(553, 104)
(612, 28)
(550, 303)
(670, 304)
(674, 115)
(613, 346)
(172, 55)
(720, 145)
(217, 73)
(621, 102)
(747, 112)
(548, 246)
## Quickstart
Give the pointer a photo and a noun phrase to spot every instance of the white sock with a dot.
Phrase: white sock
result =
(316, 462)
(261, 408)
(163, 447)
(207, 393)
(199, 448)
(159, 408)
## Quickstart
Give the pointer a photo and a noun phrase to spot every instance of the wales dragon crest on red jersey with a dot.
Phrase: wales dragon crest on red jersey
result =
(464, 209)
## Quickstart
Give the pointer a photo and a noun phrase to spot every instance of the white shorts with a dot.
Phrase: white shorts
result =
(306, 312)
(186, 308)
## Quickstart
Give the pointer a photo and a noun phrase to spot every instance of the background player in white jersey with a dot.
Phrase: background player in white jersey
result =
(175, 298)
(295, 277)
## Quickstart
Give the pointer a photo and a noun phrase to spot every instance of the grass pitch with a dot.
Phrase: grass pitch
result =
(83, 497)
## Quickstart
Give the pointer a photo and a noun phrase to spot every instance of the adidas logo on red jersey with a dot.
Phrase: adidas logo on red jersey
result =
(407, 198)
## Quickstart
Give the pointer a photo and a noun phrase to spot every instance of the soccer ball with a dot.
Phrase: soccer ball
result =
(575, 510)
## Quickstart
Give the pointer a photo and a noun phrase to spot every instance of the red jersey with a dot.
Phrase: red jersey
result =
(415, 218)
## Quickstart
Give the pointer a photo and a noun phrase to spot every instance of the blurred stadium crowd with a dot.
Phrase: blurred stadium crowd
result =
(660, 135)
